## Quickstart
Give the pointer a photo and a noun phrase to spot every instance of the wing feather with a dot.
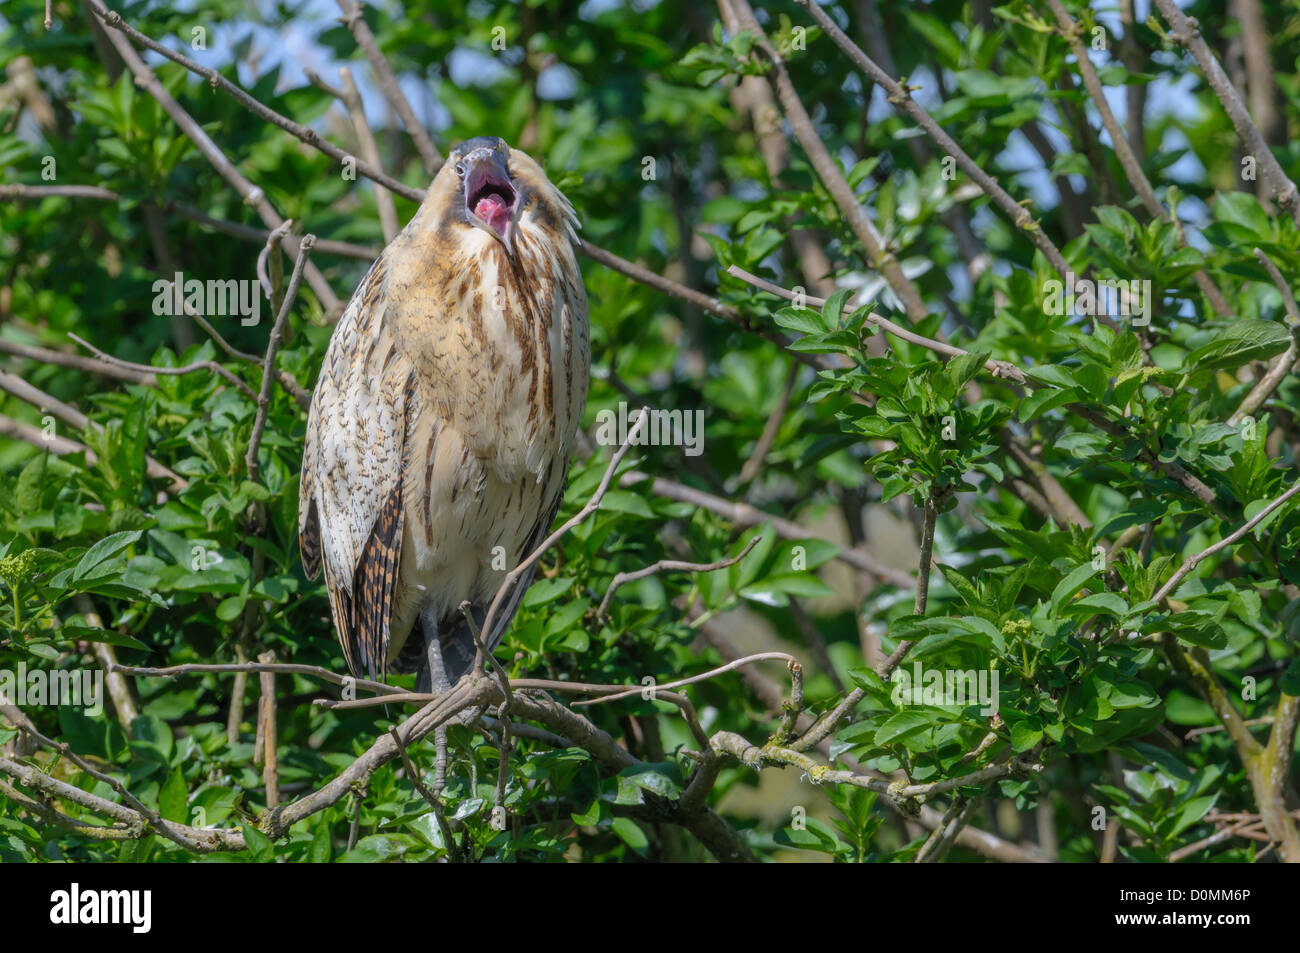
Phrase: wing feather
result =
(350, 493)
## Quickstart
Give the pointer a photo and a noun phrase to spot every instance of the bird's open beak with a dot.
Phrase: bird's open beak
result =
(491, 201)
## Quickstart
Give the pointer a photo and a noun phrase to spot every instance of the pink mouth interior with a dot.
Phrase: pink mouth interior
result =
(490, 196)
(494, 210)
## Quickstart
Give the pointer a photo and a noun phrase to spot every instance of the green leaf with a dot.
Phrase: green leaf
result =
(961, 369)
(89, 633)
(662, 779)
(1243, 209)
(625, 501)
(903, 725)
(834, 307)
(1053, 374)
(153, 734)
(1045, 399)
(815, 835)
(775, 590)
(630, 833)
(1290, 681)
(1249, 339)
(1025, 734)
(259, 845)
(803, 320)
(102, 551)
(1198, 628)
(1191, 812)
(173, 799)
(230, 608)
(1072, 583)
(320, 849)
(1110, 602)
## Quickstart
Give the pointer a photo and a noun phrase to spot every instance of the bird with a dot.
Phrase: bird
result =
(441, 425)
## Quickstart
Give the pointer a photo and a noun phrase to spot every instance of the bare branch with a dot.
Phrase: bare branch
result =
(901, 99)
(31, 352)
(57, 191)
(369, 149)
(1193, 561)
(700, 300)
(770, 429)
(1187, 33)
(934, 849)
(743, 515)
(281, 668)
(829, 171)
(1124, 151)
(669, 565)
(758, 758)
(388, 84)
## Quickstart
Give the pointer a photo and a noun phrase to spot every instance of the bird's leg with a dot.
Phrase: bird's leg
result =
(436, 672)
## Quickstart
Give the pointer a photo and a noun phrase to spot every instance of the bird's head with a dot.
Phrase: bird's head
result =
(487, 185)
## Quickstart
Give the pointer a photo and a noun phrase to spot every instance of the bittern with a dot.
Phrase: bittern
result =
(440, 430)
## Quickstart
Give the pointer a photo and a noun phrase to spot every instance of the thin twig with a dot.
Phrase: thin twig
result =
(270, 282)
(827, 167)
(757, 758)
(1193, 561)
(268, 367)
(954, 819)
(281, 668)
(1226, 833)
(703, 676)
(1009, 371)
(268, 733)
(18, 191)
(513, 577)
(770, 429)
(142, 370)
(435, 803)
(669, 565)
(691, 296)
(1282, 364)
(743, 515)
(133, 374)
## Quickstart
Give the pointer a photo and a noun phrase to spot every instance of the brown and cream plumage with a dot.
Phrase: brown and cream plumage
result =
(440, 430)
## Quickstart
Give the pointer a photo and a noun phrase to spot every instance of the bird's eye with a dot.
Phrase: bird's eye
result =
(460, 169)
